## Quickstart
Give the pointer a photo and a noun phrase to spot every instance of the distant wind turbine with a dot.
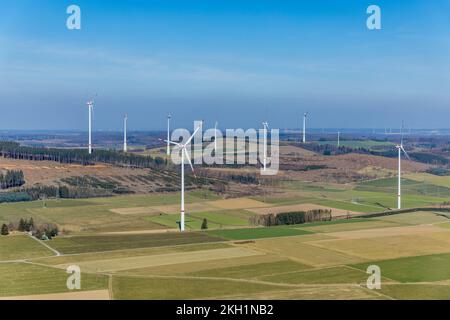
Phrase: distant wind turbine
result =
(400, 150)
(305, 115)
(169, 116)
(125, 119)
(90, 105)
(183, 148)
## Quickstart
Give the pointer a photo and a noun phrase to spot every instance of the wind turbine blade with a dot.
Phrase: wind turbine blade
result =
(188, 158)
(406, 153)
(190, 139)
(171, 142)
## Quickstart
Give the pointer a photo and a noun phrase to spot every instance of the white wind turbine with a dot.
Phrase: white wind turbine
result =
(266, 126)
(169, 116)
(184, 152)
(400, 149)
(90, 105)
(304, 126)
(125, 119)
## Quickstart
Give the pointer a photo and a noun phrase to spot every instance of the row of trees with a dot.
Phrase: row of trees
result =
(14, 150)
(291, 218)
(45, 231)
(328, 149)
(5, 230)
(11, 179)
(26, 225)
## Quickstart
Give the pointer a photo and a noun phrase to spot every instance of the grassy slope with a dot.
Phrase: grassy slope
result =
(156, 288)
(257, 233)
(26, 279)
(415, 269)
(253, 271)
(81, 244)
(21, 247)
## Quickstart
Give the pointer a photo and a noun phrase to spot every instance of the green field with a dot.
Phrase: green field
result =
(333, 275)
(257, 233)
(19, 279)
(136, 256)
(81, 244)
(21, 247)
(409, 186)
(253, 271)
(159, 288)
(443, 181)
(417, 292)
(415, 269)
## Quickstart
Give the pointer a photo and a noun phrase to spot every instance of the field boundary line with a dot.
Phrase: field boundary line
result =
(140, 248)
(56, 252)
(274, 284)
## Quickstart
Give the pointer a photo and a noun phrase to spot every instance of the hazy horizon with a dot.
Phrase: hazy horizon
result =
(237, 62)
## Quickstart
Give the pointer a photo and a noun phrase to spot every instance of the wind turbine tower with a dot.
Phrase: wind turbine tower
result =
(184, 153)
(125, 120)
(169, 116)
(304, 126)
(400, 150)
(90, 105)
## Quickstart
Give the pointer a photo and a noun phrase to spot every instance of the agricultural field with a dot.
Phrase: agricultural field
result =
(323, 260)
(129, 246)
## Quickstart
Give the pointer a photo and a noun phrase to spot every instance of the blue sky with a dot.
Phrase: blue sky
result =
(240, 62)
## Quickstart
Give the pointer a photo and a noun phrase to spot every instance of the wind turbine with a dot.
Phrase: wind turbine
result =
(125, 119)
(182, 147)
(169, 116)
(400, 149)
(90, 105)
(266, 126)
(304, 126)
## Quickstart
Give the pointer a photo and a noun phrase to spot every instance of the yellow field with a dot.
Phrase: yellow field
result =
(430, 178)
(113, 265)
(326, 292)
(240, 203)
(330, 228)
(136, 210)
(183, 268)
(388, 232)
(217, 205)
(389, 247)
(297, 249)
(78, 295)
(415, 218)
